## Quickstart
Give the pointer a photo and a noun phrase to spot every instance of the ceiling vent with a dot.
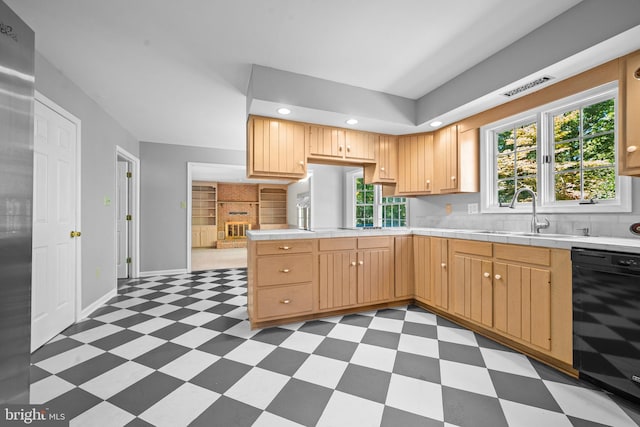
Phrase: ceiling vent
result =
(525, 87)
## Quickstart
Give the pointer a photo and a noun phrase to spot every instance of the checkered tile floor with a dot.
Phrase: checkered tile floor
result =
(177, 350)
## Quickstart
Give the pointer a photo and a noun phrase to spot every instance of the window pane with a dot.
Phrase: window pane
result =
(599, 151)
(567, 156)
(505, 141)
(530, 182)
(506, 190)
(506, 166)
(566, 126)
(368, 197)
(359, 183)
(599, 118)
(526, 136)
(567, 186)
(600, 184)
(527, 162)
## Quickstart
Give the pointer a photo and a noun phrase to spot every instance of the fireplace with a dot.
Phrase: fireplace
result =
(236, 229)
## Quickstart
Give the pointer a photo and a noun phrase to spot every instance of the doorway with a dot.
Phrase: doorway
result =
(55, 283)
(127, 208)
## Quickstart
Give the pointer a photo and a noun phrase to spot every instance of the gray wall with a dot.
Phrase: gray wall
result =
(100, 135)
(583, 26)
(429, 211)
(163, 188)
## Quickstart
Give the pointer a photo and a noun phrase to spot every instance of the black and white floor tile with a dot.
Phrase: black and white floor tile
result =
(178, 350)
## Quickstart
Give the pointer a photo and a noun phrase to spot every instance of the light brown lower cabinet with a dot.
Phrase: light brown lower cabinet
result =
(518, 294)
(355, 271)
(522, 293)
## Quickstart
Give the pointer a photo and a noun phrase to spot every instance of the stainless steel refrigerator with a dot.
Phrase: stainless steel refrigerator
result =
(16, 191)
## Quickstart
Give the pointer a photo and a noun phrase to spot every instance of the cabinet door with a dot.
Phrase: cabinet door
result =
(277, 147)
(421, 268)
(327, 142)
(472, 285)
(446, 151)
(404, 280)
(415, 164)
(360, 145)
(375, 275)
(195, 237)
(338, 279)
(440, 272)
(522, 303)
(388, 157)
(208, 236)
(629, 152)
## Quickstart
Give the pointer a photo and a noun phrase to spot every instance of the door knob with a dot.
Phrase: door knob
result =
(361, 262)
(353, 263)
(631, 148)
(382, 169)
(75, 234)
(498, 277)
(285, 301)
(284, 248)
(443, 265)
(486, 275)
(285, 270)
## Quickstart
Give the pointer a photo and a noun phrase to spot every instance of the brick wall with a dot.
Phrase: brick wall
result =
(237, 192)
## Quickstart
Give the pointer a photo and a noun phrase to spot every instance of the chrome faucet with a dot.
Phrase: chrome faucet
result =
(535, 225)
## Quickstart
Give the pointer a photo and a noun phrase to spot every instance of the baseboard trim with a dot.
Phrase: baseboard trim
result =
(97, 303)
(162, 272)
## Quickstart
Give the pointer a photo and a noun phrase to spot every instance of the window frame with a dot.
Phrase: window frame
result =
(543, 116)
(378, 206)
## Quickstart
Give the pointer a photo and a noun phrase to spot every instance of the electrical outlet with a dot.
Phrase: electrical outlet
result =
(448, 209)
(107, 201)
(472, 208)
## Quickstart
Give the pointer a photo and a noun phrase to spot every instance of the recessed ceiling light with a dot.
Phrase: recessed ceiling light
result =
(435, 123)
(283, 110)
(352, 121)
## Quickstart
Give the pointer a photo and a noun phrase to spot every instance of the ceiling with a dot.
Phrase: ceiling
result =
(177, 71)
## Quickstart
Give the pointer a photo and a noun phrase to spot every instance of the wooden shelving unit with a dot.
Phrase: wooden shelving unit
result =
(273, 206)
(204, 214)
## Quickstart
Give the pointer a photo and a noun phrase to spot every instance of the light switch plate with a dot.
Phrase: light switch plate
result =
(472, 208)
(183, 205)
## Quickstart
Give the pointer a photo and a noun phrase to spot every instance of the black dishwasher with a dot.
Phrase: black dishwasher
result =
(606, 319)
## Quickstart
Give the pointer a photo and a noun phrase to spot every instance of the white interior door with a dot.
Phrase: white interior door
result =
(53, 297)
(122, 209)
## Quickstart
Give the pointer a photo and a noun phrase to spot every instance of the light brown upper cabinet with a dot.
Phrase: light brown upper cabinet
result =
(385, 169)
(415, 164)
(629, 89)
(275, 148)
(456, 169)
(326, 142)
(445, 150)
(337, 145)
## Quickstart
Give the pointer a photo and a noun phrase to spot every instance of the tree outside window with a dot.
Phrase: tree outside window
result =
(373, 210)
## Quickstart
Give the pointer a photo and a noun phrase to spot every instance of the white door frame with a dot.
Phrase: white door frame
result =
(134, 196)
(39, 97)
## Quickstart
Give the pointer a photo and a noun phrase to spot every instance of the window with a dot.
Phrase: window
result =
(565, 152)
(370, 208)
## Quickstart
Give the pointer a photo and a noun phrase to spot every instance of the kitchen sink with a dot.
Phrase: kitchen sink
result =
(522, 233)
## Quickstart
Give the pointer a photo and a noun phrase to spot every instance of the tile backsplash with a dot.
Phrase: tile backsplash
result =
(431, 211)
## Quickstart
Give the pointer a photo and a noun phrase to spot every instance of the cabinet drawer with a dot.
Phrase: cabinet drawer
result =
(338, 244)
(524, 254)
(284, 247)
(374, 242)
(285, 300)
(279, 270)
(472, 247)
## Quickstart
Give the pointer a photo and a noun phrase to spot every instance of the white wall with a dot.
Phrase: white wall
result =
(100, 135)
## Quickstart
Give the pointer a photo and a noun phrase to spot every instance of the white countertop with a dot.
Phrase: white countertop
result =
(546, 240)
